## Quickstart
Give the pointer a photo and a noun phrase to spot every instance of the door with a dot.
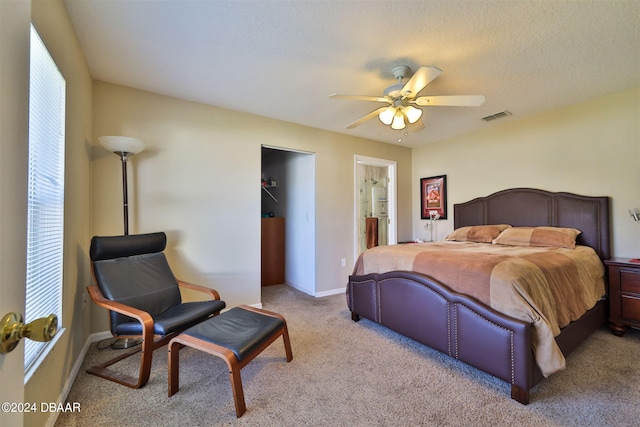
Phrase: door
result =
(375, 203)
(15, 21)
(12, 299)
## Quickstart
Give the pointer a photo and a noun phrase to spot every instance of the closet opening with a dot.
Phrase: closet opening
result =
(288, 208)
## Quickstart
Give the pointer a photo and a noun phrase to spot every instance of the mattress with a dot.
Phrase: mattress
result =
(547, 286)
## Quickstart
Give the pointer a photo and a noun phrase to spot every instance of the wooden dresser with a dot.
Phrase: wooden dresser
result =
(624, 294)
(272, 268)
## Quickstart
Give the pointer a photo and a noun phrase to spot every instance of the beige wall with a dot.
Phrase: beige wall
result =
(592, 148)
(199, 180)
(49, 380)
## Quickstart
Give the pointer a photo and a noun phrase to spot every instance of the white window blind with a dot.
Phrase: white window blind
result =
(45, 222)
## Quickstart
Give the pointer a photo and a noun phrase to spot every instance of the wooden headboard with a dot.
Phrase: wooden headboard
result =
(531, 207)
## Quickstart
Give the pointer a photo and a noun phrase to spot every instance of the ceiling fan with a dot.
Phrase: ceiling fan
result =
(403, 102)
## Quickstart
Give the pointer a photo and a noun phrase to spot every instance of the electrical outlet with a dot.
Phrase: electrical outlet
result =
(343, 262)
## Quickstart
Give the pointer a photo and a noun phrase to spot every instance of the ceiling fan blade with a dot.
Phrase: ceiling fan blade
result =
(422, 77)
(450, 101)
(415, 127)
(363, 119)
(362, 98)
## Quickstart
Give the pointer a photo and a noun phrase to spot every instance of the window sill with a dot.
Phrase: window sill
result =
(49, 348)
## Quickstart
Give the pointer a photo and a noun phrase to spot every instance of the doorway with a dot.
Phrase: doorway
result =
(288, 193)
(375, 203)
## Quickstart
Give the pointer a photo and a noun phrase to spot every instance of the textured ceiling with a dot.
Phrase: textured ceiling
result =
(282, 59)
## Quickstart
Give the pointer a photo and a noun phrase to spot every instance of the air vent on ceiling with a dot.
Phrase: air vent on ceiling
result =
(496, 116)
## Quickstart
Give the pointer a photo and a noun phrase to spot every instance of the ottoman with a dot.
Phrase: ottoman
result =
(237, 336)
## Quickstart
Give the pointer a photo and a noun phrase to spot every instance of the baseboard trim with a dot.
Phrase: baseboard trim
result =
(331, 292)
(51, 421)
(299, 288)
(317, 294)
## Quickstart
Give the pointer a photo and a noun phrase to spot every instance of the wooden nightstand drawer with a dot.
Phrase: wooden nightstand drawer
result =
(624, 294)
(630, 308)
(630, 280)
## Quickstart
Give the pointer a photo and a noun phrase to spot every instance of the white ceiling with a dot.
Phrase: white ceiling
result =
(282, 59)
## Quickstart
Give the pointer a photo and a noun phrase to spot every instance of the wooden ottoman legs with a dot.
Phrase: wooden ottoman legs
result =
(233, 364)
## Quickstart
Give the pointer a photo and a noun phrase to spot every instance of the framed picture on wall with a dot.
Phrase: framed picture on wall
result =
(433, 197)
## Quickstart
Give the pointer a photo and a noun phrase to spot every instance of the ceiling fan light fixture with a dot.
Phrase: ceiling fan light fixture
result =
(403, 103)
(398, 121)
(386, 116)
(413, 114)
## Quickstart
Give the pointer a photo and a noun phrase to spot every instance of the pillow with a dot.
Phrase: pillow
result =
(477, 233)
(557, 237)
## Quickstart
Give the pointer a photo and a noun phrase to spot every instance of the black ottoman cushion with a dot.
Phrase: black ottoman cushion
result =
(238, 330)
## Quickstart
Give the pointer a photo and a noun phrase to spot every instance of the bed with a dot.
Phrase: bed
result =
(466, 327)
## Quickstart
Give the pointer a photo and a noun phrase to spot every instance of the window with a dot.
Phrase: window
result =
(45, 198)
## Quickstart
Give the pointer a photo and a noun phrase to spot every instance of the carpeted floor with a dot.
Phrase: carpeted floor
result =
(360, 374)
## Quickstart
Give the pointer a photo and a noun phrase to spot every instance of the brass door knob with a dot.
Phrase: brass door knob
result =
(12, 330)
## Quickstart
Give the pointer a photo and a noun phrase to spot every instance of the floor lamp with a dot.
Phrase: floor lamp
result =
(124, 147)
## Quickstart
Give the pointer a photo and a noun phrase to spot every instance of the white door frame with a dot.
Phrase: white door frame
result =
(392, 197)
(300, 215)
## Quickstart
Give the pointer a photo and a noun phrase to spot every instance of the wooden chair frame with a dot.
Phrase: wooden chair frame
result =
(150, 341)
(233, 364)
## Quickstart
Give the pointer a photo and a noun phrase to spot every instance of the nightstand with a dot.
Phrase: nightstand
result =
(624, 294)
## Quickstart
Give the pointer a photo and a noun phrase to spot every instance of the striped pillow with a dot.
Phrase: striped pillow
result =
(558, 237)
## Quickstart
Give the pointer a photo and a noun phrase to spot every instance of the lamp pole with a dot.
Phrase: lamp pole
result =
(125, 197)
(124, 147)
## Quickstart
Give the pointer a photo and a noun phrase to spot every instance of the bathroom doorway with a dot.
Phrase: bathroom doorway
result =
(375, 203)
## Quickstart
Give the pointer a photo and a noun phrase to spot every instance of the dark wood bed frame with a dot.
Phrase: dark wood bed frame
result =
(429, 312)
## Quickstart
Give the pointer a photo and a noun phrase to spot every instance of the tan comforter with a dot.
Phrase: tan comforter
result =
(549, 287)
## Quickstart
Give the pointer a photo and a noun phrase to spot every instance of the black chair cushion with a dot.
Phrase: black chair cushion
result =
(141, 281)
(178, 317)
(110, 247)
(238, 329)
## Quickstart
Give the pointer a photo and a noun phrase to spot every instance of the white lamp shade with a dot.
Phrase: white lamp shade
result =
(386, 116)
(413, 114)
(122, 144)
(398, 121)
